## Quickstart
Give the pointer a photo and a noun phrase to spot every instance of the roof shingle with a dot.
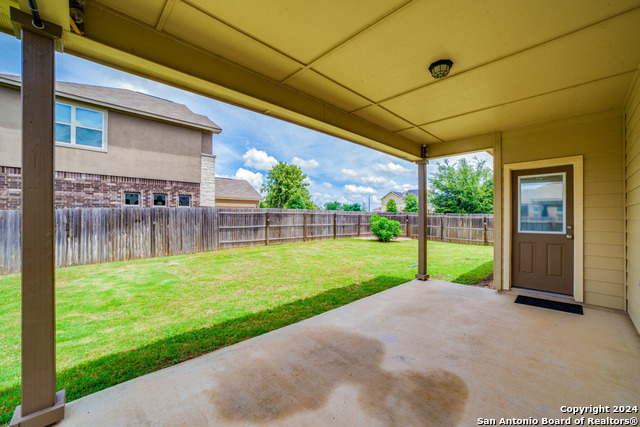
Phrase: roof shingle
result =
(128, 101)
(239, 189)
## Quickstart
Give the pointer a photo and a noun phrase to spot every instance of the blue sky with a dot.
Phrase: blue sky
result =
(251, 143)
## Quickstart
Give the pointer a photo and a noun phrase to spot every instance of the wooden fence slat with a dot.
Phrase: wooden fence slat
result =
(93, 235)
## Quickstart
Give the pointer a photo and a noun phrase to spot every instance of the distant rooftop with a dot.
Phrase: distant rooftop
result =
(227, 188)
(127, 101)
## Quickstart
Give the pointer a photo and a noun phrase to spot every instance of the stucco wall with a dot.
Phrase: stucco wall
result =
(599, 139)
(632, 180)
(137, 147)
(399, 202)
(229, 203)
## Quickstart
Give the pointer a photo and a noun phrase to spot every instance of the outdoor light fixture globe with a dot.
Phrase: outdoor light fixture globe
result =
(441, 68)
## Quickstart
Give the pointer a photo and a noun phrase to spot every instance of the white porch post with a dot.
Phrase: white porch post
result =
(422, 220)
(40, 404)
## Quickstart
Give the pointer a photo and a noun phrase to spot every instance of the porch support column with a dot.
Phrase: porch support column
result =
(497, 211)
(422, 220)
(40, 404)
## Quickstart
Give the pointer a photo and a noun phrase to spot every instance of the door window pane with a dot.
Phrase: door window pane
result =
(159, 200)
(541, 201)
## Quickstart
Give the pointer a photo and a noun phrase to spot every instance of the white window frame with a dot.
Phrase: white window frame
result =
(124, 199)
(166, 199)
(73, 144)
(190, 200)
(564, 203)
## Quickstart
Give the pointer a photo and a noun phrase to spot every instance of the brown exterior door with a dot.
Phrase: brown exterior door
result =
(542, 230)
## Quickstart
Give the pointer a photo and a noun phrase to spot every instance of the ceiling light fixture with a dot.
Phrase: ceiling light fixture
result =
(441, 68)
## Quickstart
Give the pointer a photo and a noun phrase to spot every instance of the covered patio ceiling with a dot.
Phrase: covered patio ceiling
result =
(358, 69)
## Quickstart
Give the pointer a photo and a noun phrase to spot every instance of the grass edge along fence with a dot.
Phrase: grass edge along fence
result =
(97, 235)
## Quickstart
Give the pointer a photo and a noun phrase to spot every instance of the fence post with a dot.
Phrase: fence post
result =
(335, 224)
(304, 227)
(266, 229)
(484, 231)
(407, 224)
(441, 227)
(216, 228)
(359, 220)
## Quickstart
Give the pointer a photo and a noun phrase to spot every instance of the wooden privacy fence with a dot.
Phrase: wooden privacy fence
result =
(95, 235)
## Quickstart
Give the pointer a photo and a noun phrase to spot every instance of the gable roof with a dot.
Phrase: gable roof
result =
(393, 192)
(128, 101)
(238, 189)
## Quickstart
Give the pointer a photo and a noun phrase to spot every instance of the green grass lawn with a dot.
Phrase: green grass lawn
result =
(121, 320)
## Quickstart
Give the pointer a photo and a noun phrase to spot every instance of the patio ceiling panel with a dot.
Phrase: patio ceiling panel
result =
(147, 11)
(419, 135)
(314, 84)
(600, 51)
(592, 97)
(305, 30)
(190, 24)
(392, 58)
(384, 118)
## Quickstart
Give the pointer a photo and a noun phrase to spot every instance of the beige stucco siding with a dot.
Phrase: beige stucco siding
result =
(232, 203)
(599, 139)
(632, 175)
(136, 147)
(399, 202)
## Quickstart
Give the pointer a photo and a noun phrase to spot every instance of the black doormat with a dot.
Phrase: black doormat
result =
(552, 305)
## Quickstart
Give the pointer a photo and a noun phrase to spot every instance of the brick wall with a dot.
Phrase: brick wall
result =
(81, 190)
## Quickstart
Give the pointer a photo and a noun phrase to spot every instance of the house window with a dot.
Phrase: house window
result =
(132, 199)
(159, 200)
(80, 127)
(184, 201)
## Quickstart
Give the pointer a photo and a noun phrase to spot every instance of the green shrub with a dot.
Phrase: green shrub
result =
(384, 229)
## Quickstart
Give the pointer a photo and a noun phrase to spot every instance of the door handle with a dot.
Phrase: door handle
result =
(569, 236)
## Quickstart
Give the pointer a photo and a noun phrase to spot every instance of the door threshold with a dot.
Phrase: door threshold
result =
(547, 294)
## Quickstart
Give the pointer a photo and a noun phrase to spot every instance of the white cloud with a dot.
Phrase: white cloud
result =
(378, 181)
(258, 159)
(305, 164)
(404, 187)
(349, 173)
(254, 178)
(308, 180)
(391, 167)
(358, 190)
(373, 180)
(327, 184)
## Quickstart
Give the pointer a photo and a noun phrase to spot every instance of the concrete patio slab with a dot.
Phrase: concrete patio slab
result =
(423, 353)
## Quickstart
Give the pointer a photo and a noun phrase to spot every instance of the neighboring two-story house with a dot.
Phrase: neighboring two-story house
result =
(399, 199)
(114, 148)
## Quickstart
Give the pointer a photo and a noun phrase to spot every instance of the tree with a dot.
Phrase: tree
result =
(463, 188)
(391, 206)
(353, 208)
(283, 181)
(295, 202)
(333, 206)
(411, 203)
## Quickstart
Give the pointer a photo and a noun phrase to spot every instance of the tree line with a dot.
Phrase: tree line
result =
(462, 187)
